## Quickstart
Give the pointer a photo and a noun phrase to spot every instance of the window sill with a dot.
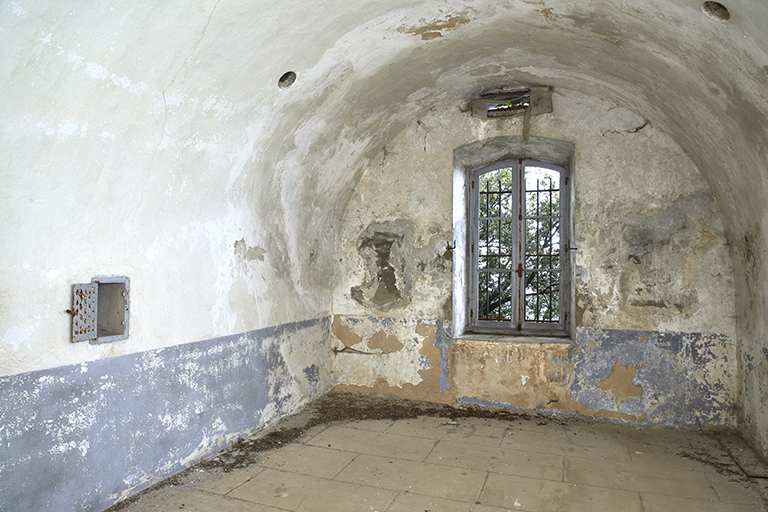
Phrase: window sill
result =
(517, 339)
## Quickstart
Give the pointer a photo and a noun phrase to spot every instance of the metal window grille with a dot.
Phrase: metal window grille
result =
(518, 264)
(542, 245)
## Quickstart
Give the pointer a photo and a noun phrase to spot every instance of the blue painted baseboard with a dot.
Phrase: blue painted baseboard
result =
(81, 437)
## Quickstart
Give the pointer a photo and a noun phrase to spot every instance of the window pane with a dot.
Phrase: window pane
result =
(506, 205)
(495, 244)
(542, 192)
(542, 245)
(542, 296)
(495, 301)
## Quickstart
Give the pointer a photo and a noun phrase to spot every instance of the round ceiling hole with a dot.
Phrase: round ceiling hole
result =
(287, 80)
(716, 11)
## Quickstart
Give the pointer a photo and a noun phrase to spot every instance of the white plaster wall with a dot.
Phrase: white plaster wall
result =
(623, 175)
(207, 151)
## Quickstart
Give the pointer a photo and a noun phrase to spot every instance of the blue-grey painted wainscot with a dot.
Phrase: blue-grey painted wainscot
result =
(687, 379)
(81, 437)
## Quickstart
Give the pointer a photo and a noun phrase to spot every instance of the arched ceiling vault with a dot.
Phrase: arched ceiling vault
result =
(170, 116)
(700, 80)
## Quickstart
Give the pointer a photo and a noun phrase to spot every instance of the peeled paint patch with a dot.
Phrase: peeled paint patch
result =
(434, 29)
(345, 335)
(387, 344)
(413, 371)
(620, 383)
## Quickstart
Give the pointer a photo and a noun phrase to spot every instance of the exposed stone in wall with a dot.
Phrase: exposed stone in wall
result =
(619, 384)
(386, 285)
(526, 376)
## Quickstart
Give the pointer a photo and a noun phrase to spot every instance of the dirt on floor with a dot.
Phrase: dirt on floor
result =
(338, 406)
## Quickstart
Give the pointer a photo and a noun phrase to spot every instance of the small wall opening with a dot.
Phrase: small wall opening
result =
(100, 309)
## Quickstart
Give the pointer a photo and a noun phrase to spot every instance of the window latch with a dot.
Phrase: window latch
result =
(519, 271)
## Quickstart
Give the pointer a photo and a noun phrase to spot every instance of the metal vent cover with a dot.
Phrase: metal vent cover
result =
(100, 309)
(84, 311)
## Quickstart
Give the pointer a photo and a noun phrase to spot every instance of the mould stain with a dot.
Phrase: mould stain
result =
(619, 383)
(434, 29)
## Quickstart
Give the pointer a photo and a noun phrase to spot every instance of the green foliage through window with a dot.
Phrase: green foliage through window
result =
(516, 245)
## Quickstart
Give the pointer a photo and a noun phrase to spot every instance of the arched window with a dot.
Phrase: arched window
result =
(511, 268)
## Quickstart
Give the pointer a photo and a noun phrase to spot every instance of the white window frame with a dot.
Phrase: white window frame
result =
(484, 156)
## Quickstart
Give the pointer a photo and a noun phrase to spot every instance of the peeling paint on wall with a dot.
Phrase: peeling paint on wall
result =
(620, 383)
(435, 28)
(403, 357)
(686, 378)
(126, 422)
(675, 379)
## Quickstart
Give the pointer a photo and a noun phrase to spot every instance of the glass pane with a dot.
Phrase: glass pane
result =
(542, 195)
(507, 243)
(506, 205)
(495, 193)
(542, 296)
(494, 300)
(482, 237)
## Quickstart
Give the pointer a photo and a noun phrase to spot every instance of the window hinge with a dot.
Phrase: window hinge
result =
(566, 181)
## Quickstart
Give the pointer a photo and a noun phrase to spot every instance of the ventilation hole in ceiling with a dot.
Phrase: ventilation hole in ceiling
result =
(287, 80)
(716, 11)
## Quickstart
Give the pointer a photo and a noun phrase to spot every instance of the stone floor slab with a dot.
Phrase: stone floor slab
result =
(197, 501)
(408, 502)
(458, 484)
(308, 460)
(633, 477)
(497, 460)
(517, 493)
(375, 443)
(660, 503)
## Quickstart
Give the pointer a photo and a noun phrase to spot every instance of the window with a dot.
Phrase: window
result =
(512, 227)
(515, 248)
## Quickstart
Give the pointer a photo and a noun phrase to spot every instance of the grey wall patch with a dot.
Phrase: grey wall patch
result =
(80, 437)
(382, 246)
(686, 378)
(443, 342)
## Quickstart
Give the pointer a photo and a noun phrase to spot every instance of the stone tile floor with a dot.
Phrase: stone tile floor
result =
(439, 464)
